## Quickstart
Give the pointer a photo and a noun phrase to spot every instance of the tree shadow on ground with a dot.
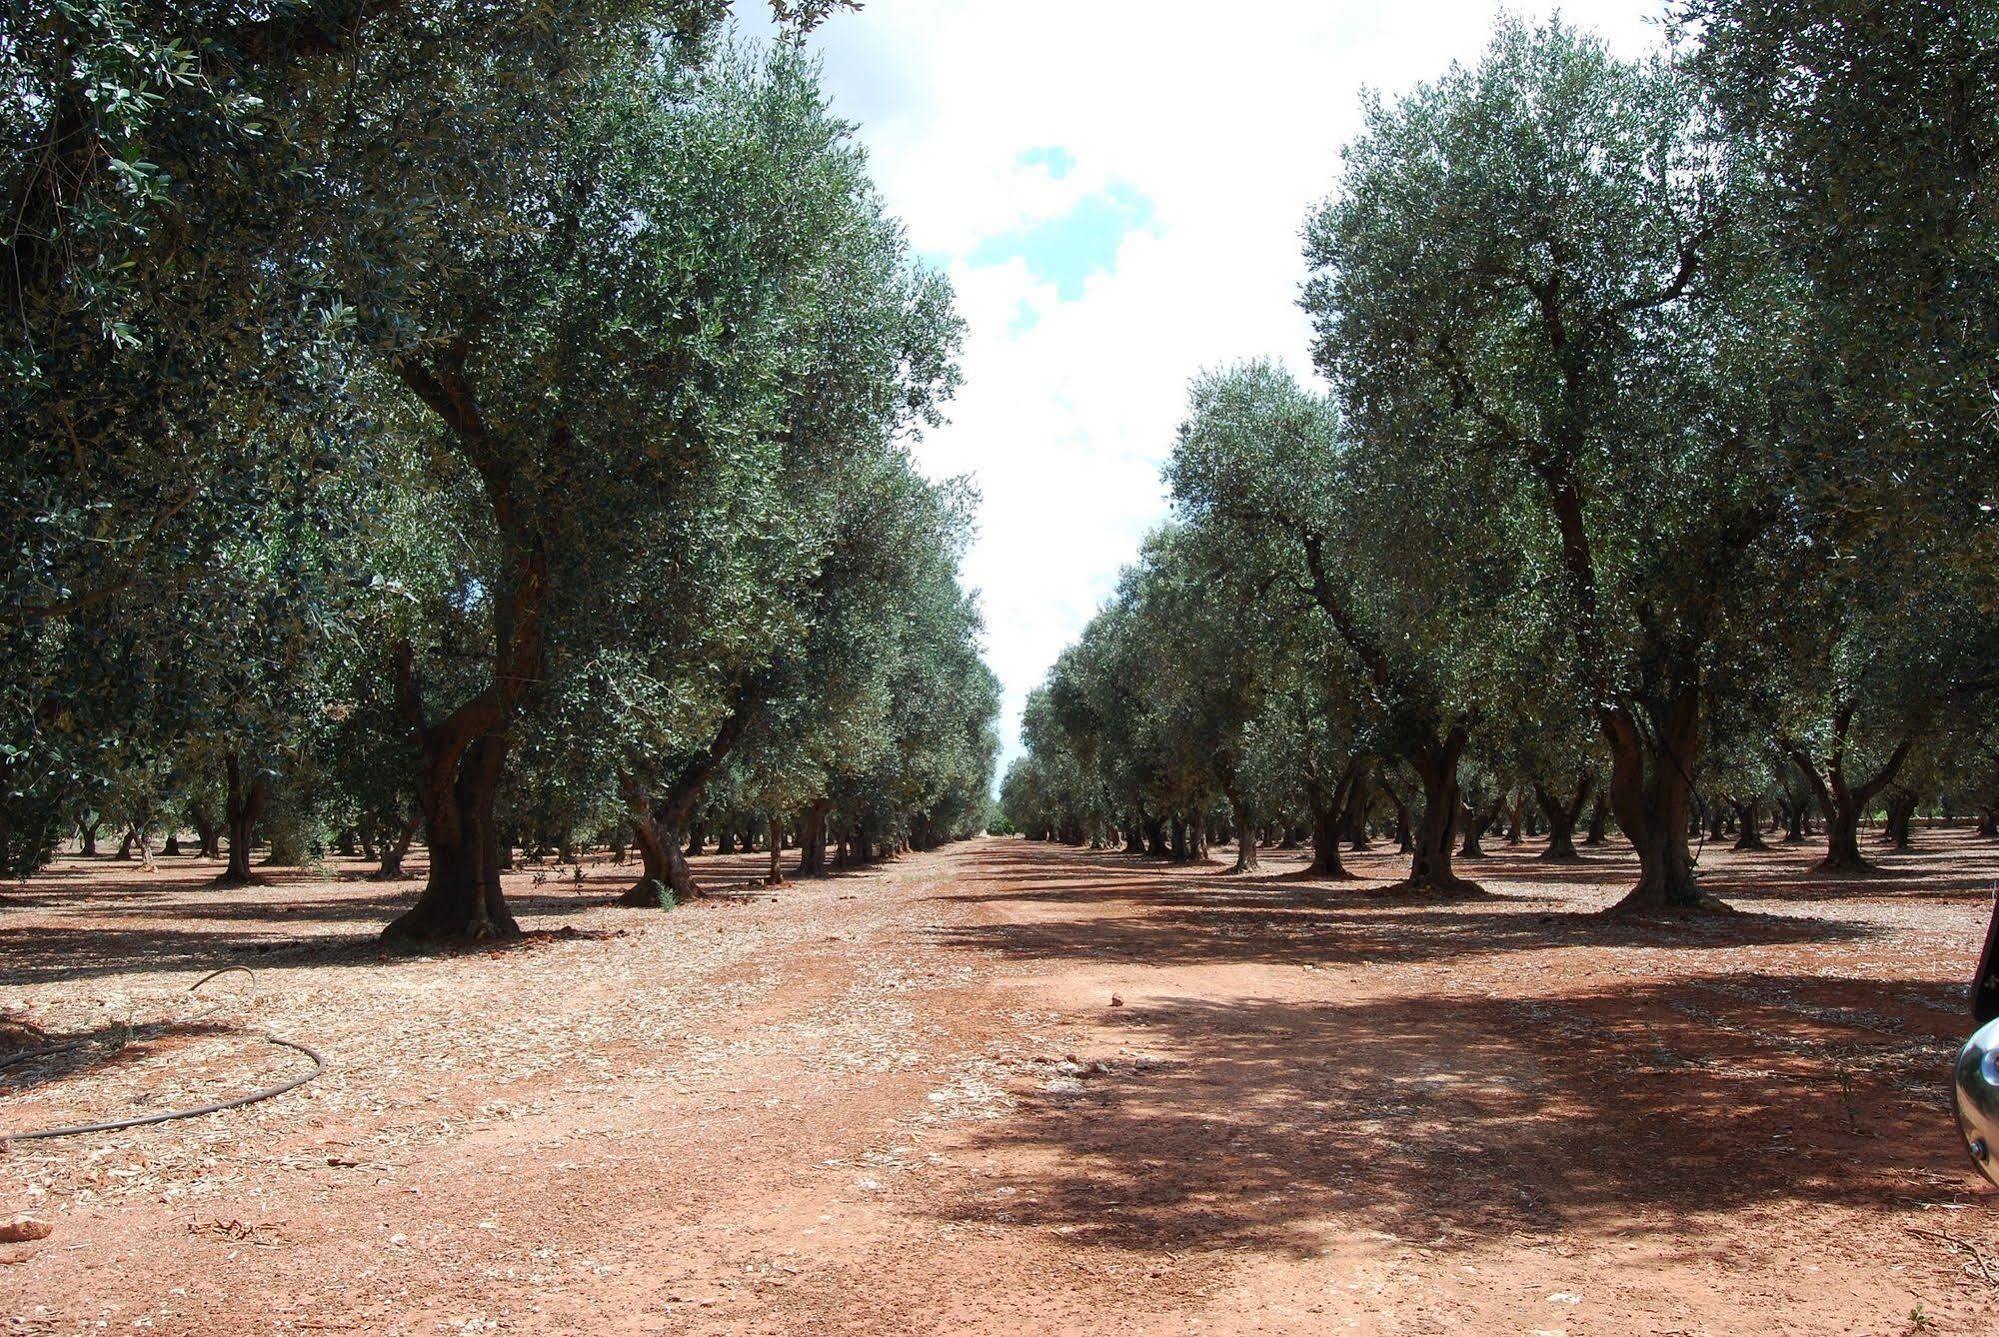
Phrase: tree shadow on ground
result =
(1265, 1123)
(64, 1054)
(1163, 918)
(116, 919)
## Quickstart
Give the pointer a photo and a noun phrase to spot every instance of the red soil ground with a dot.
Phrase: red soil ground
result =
(1009, 1088)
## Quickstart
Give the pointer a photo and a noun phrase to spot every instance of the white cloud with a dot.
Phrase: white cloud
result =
(1229, 120)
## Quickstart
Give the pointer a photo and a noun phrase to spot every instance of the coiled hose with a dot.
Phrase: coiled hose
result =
(140, 1121)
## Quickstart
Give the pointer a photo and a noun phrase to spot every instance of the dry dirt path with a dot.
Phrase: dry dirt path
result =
(1008, 1088)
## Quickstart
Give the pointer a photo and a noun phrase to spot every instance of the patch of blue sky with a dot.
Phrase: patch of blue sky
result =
(1065, 251)
(1053, 159)
(1025, 318)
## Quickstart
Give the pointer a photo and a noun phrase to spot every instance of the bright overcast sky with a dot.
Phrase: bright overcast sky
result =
(1116, 191)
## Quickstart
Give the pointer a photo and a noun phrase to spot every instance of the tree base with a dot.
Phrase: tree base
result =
(643, 894)
(1447, 886)
(1561, 856)
(227, 879)
(1644, 903)
(418, 927)
(1846, 866)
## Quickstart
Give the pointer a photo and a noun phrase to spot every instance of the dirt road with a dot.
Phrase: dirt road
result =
(1008, 1088)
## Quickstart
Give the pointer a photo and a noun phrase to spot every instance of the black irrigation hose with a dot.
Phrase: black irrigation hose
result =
(114, 1125)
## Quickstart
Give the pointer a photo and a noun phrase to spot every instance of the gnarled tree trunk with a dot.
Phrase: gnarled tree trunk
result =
(1245, 837)
(242, 805)
(1746, 813)
(1599, 823)
(1562, 816)
(393, 851)
(1842, 802)
(1651, 793)
(1901, 818)
(1436, 767)
(812, 839)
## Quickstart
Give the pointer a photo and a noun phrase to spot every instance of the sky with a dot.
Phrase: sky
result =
(1116, 191)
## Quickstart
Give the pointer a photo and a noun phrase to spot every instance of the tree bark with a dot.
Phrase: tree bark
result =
(775, 876)
(1901, 818)
(461, 759)
(1562, 817)
(1474, 824)
(659, 829)
(1436, 767)
(1751, 834)
(1599, 822)
(1840, 801)
(1651, 793)
(812, 839)
(242, 805)
(1245, 837)
(462, 899)
(391, 868)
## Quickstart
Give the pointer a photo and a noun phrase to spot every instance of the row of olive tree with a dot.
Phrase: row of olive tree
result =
(1623, 481)
(447, 423)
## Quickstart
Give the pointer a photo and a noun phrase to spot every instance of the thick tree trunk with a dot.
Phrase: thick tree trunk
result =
(1436, 767)
(1245, 837)
(1651, 793)
(1751, 835)
(1901, 819)
(207, 831)
(1599, 822)
(87, 838)
(1326, 861)
(1359, 799)
(462, 899)
(1405, 831)
(1794, 822)
(662, 862)
(1561, 818)
(812, 839)
(725, 843)
(659, 830)
(242, 806)
(1842, 832)
(1134, 834)
(393, 851)
(774, 877)
(1475, 823)
(1841, 803)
